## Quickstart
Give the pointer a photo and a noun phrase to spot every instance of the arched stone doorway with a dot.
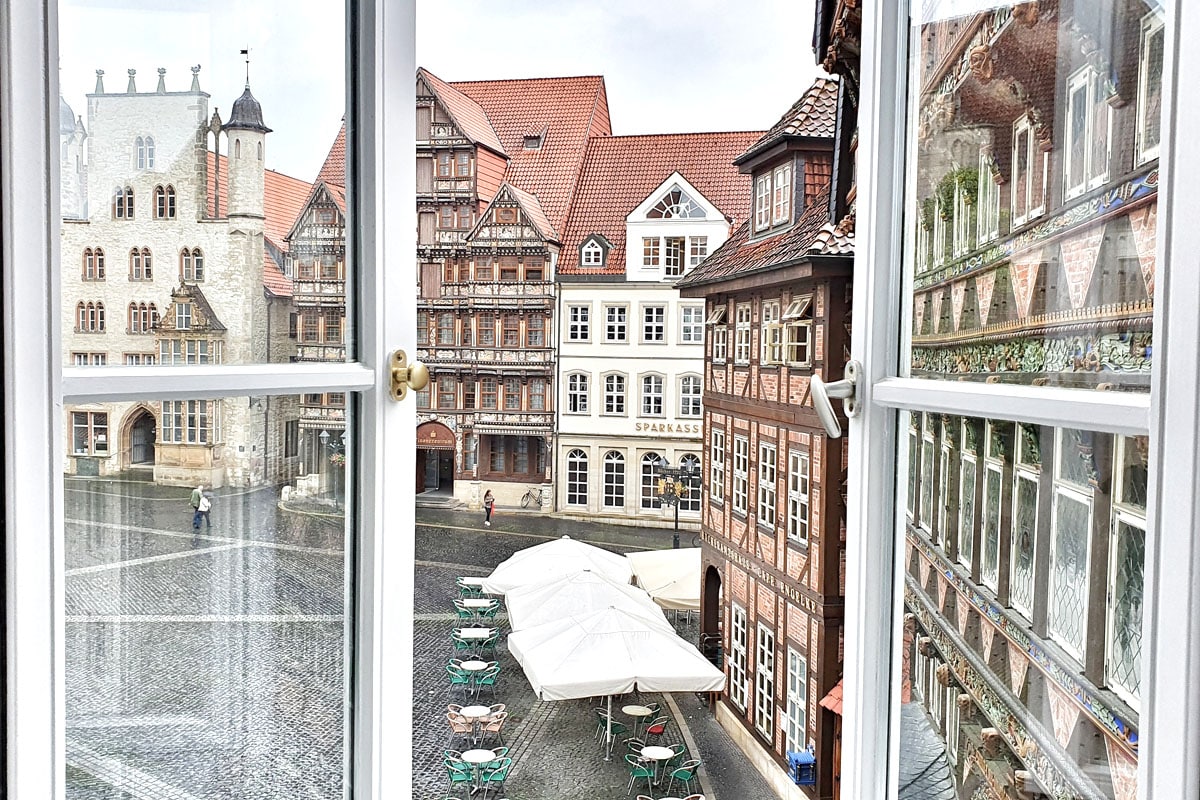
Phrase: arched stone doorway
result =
(710, 616)
(141, 432)
(435, 458)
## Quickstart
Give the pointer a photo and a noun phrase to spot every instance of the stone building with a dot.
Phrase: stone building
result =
(776, 304)
(647, 211)
(172, 254)
(497, 167)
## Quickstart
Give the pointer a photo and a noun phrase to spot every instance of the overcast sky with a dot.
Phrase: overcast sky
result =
(669, 65)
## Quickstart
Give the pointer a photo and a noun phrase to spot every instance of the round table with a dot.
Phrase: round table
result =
(477, 758)
(638, 713)
(474, 666)
(656, 754)
(476, 713)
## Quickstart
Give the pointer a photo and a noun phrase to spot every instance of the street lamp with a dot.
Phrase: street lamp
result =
(674, 484)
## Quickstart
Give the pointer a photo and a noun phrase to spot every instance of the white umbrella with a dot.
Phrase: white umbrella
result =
(543, 562)
(671, 577)
(607, 652)
(577, 593)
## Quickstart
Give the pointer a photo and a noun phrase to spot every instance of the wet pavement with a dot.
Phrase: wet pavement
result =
(205, 665)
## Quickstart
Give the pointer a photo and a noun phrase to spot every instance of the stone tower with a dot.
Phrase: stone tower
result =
(246, 139)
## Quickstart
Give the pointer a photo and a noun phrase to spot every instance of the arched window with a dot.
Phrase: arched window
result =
(139, 264)
(260, 151)
(81, 317)
(577, 478)
(237, 148)
(89, 264)
(689, 396)
(649, 473)
(100, 317)
(691, 502)
(91, 316)
(153, 316)
(170, 202)
(99, 254)
(149, 152)
(139, 147)
(614, 479)
(191, 265)
(122, 203)
(135, 318)
(160, 202)
(577, 393)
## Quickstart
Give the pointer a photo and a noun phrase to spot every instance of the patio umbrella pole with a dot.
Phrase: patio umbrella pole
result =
(608, 732)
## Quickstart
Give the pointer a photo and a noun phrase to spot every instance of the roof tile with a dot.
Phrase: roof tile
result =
(833, 700)
(813, 115)
(334, 168)
(466, 113)
(620, 172)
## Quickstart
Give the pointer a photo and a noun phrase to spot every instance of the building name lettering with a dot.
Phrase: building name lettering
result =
(667, 427)
(762, 575)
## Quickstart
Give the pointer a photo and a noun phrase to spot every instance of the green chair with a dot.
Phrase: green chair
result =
(500, 752)
(464, 646)
(459, 679)
(677, 759)
(618, 729)
(490, 643)
(464, 615)
(459, 774)
(487, 678)
(686, 772)
(638, 770)
(495, 777)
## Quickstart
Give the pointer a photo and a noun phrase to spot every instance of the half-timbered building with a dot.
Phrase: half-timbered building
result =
(497, 166)
(776, 300)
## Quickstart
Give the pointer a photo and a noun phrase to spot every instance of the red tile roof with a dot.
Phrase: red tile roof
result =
(334, 168)
(466, 114)
(811, 235)
(569, 109)
(533, 209)
(621, 171)
(833, 700)
(274, 281)
(813, 115)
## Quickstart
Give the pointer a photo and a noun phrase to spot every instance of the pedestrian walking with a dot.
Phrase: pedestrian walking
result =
(488, 502)
(197, 496)
(206, 498)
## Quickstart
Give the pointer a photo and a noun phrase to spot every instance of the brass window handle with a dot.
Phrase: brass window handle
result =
(405, 376)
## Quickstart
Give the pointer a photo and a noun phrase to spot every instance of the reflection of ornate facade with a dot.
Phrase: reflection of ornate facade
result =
(497, 167)
(1034, 258)
(172, 255)
(649, 209)
(777, 299)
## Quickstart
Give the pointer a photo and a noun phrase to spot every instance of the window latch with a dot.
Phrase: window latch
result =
(845, 390)
(405, 377)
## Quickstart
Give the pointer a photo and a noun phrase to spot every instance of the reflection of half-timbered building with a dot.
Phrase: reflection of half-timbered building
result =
(1034, 261)
(777, 299)
(497, 166)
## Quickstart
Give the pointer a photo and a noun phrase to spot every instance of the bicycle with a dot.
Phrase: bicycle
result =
(533, 494)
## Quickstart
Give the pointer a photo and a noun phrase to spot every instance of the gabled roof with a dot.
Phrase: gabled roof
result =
(464, 112)
(813, 115)
(274, 281)
(196, 295)
(320, 190)
(533, 209)
(812, 235)
(334, 169)
(620, 172)
(570, 110)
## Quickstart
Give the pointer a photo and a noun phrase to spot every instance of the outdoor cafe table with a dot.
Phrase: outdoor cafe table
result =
(474, 715)
(477, 758)
(478, 602)
(476, 633)
(638, 713)
(656, 754)
(472, 581)
(473, 667)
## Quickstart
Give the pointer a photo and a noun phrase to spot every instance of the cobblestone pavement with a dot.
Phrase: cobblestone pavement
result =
(208, 665)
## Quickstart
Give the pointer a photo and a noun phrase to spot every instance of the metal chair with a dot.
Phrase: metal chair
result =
(638, 770)
(685, 773)
(492, 727)
(658, 727)
(460, 728)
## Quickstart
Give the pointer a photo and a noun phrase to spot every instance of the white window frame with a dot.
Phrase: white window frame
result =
(741, 474)
(1021, 473)
(795, 731)
(739, 679)
(691, 392)
(771, 344)
(579, 322)
(1034, 206)
(614, 488)
(768, 474)
(1152, 24)
(591, 255)
(616, 323)
(987, 219)
(653, 396)
(781, 193)
(654, 323)
(716, 466)
(720, 343)
(616, 403)
(38, 388)
(691, 324)
(743, 313)
(798, 341)
(577, 478)
(879, 342)
(578, 391)
(764, 681)
(762, 202)
(1088, 79)
(697, 250)
(799, 511)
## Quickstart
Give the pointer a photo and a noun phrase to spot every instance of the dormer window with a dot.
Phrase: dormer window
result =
(533, 141)
(773, 198)
(591, 255)
(676, 204)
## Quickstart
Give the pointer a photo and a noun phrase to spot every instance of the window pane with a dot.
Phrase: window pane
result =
(1058, 289)
(205, 644)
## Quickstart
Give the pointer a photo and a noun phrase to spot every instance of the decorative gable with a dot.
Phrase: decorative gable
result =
(514, 218)
(671, 231)
(189, 312)
(675, 199)
(593, 251)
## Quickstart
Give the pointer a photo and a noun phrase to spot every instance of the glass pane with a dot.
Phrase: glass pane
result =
(206, 587)
(1034, 134)
(204, 210)
(1035, 632)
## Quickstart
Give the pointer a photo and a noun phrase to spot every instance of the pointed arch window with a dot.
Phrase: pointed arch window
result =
(164, 202)
(191, 265)
(139, 146)
(89, 317)
(143, 317)
(676, 204)
(140, 267)
(122, 203)
(260, 151)
(237, 148)
(93, 264)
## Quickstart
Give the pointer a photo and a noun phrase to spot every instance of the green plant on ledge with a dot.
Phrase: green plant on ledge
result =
(966, 178)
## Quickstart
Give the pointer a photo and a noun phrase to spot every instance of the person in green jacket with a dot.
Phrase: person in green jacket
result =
(197, 495)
